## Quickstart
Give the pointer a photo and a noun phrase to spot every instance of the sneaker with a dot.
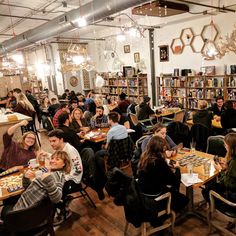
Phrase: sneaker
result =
(59, 217)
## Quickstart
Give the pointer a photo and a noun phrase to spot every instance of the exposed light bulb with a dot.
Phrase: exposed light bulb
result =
(81, 21)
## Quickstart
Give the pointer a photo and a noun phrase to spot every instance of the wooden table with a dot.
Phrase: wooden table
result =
(167, 112)
(5, 124)
(100, 135)
(214, 123)
(5, 194)
(191, 210)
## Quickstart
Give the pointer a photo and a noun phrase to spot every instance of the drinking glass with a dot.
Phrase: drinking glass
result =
(190, 169)
(207, 168)
(193, 147)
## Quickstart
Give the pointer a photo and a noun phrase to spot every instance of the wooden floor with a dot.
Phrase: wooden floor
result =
(108, 219)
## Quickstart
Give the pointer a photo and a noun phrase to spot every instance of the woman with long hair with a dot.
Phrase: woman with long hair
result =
(44, 112)
(156, 177)
(23, 105)
(18, 153)
(78, 122)
(226, 185)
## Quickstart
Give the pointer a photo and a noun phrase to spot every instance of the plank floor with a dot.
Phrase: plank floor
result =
(108, 219)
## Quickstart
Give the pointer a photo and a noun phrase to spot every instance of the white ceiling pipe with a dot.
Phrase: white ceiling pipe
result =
(92, 11)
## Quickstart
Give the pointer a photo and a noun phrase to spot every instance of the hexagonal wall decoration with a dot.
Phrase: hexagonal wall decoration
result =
(209, 32)
(187, 36)
(177, 46)
(197, 43)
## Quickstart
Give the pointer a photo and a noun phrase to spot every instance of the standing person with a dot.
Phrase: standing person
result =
(226, 185)
(145, 110)
(23, 104)
(66, 94)
(15, 154)
(203, 116)
(99, 120)
(44, 113)
(156, 177)
(123, 103)
(218, 107)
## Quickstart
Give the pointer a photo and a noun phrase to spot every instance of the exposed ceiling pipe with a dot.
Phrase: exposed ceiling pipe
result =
(223, 8)
(24, 17)
(92, 11)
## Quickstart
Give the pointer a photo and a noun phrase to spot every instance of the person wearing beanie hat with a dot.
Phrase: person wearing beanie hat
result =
(144, 109)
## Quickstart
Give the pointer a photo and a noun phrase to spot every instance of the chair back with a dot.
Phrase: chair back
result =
(179, 116)
(119, 151)
(35, 220)
(137, 109)
(215, 145)
(200, 134)
(133, 118)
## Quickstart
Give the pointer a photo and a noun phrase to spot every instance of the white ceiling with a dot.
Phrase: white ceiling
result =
(49, 9)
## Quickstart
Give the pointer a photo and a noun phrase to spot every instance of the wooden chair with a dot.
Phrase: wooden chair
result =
(168, 223)
(135, 121)
(225, 207)
(178, 116)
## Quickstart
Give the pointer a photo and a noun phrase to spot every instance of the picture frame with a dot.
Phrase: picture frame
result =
(128, 71)
(126, 48)
(136, 57)
(164, 53)
(73, 81)
(208, 70)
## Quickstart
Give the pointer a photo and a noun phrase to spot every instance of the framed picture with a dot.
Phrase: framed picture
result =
(128, 71)
(136, 57)
(164, 53)
(73, 81)
(127, 49)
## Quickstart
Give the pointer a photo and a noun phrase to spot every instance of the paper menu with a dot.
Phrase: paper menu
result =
(189, 180)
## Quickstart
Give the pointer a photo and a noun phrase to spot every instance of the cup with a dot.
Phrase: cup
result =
(193, 147)
(38, 173)
(190, 169)
(33, 163)
(207, 168)
(41, 159)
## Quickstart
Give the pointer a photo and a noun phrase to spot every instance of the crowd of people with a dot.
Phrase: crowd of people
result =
(73, 158)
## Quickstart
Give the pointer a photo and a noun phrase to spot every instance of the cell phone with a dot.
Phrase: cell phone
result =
(216, 159)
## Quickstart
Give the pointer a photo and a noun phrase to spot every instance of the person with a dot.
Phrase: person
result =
(81, 101)
(89, 98)
(78, 122)
(160, 131)
(123, 119)
(23, 104)
(9, 101)
(66, 94)
(99, 120)
(63, 107)
(203, 116)
(73, 96)
(53, 107)
(228, 117)
(170, 102)
(73, 105)
(32, 100)
(16, 154)
(92, 168)
(123, 103)
(156, 177)
(218, 107)
(90, 112)
(44, 113)
(37, 188)
(144, 109)
(226, 185)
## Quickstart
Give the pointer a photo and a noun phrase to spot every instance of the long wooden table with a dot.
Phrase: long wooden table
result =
(6, 123)
(214, 123)
(96, 135)
(167, 112)
(191, 211)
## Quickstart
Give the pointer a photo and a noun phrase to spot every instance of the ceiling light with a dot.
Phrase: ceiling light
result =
(78, 59)
(120, 37)
(81, 21)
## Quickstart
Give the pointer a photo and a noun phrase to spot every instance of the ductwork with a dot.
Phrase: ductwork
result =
(92, 11)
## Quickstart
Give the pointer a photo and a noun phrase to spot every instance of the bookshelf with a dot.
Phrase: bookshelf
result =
(189, 89)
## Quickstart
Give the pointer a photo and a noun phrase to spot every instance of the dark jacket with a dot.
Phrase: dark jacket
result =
(228, 119)
(203, 117)
(214, 108)
(145, 111)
